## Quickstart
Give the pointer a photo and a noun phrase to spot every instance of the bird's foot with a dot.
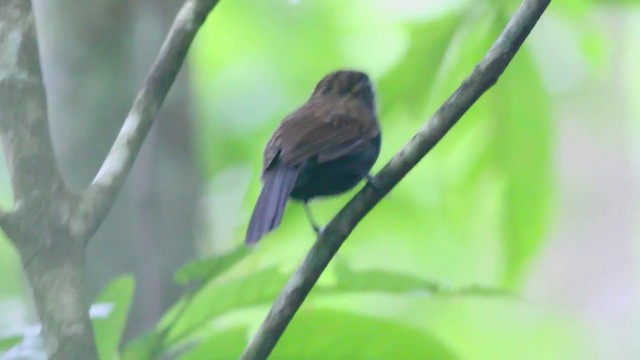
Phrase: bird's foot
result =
(314, 225)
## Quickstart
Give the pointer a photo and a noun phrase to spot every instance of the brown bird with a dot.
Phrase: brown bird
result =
(324, 148)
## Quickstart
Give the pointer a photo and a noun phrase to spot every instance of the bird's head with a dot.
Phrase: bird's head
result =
(346, 83)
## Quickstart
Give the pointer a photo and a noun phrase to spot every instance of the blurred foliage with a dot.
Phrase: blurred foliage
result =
(460, 229)
(365, 338)
(425, 274)
(108, 329)
(193, 320)
(8, 342)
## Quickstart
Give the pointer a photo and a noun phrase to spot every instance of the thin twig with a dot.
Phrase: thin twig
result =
(484, 75)
(98, 198)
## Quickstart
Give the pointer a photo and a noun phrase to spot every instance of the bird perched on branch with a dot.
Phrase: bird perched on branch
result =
(325, 147)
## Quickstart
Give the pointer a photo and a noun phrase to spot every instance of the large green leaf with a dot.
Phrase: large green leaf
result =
(327, 334)
(199, 309)
(330, 334)
(216, 299)
(8, 342)
(442, 221)
(503, 186)
(227, 344)
(482, 195)
(523, 155)
(502, 329)
(143, 347)
(209, 268)
(408, 85)
(108, 330)
(389, 282)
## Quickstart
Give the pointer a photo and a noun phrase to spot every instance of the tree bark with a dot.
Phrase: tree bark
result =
(51, 225)
(93, 64)
(56, 275)
(52, 257)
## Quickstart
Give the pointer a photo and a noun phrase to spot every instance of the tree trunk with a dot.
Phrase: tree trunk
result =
(94, 56)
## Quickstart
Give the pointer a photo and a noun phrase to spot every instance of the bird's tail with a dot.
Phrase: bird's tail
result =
(267, 214)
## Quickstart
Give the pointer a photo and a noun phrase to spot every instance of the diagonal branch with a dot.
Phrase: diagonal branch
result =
(484, 75)
(98, 198)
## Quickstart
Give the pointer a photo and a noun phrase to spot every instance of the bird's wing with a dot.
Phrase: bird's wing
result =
(323, 137)
(271, 152)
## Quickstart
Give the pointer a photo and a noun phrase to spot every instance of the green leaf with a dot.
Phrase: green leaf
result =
(469, 41)
(523, 155)
(389, 282)
(449, 225)
(8, 342)
(143, 347)
(228, 344)
(495, 164)
(330, 334)
(480, 328)
(191, 315)
(595, 47)
(109, 330)
(374, 280)
(209, 268)
(407, 86)
(216, 299)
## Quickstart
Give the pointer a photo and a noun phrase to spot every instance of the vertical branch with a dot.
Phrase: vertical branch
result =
(49, 224)
(52, 259)
(56, 275)
(23, 107)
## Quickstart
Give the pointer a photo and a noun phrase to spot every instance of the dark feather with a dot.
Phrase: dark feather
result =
(324, 148)
(326, 138)
(267, 214)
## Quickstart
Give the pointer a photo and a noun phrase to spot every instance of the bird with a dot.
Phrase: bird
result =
(325, 147)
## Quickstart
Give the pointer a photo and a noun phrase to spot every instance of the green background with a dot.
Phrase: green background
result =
(473, 255)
